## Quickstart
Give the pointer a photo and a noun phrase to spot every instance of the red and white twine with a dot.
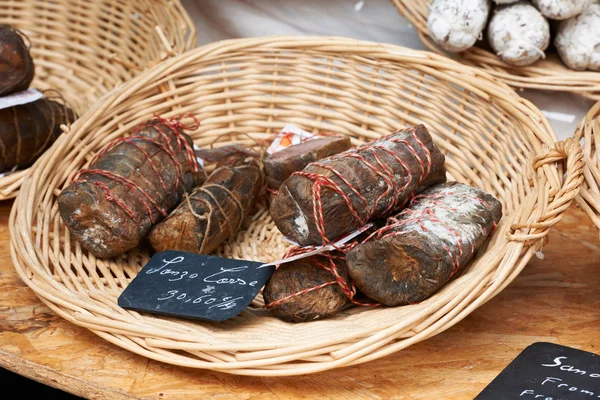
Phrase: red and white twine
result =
(165, 144)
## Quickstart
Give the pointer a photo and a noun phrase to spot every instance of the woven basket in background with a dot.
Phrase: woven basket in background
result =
(85, 48)
(588, 134)
(246, 90)
(548, 74)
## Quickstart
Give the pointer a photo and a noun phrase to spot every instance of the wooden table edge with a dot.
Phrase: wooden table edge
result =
(67, 383)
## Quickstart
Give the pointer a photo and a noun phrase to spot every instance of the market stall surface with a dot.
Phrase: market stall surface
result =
(553, 300)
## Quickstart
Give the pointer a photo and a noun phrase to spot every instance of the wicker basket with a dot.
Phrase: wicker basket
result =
(549, 74)
(588, 134)
(85, 48)
(246, 90)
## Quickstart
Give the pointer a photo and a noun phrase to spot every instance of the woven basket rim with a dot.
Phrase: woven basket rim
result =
(587, 134)
(10, 183)
(523, 239)
(550, 74)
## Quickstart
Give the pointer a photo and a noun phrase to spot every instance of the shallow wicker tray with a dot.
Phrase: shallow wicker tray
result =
(549, 74)
(246, 90)
(85, 48)
(588, 135)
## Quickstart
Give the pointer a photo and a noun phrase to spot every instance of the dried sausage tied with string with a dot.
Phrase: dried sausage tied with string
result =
(425, 245)
(310, 288)
(340, 193)
(130, 185)
(27, 130)
(215, 211)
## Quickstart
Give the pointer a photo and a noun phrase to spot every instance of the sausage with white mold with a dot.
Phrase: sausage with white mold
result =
(578, 40)
(456, 25)
(423, 246)
(561, 9)
(519, 34)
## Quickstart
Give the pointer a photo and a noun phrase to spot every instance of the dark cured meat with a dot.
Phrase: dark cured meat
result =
(280, 165)
(426, 244)
(215, 211)
(340, 193)
(307, 289)
(27, 130)
(16, 65)
(131, 184)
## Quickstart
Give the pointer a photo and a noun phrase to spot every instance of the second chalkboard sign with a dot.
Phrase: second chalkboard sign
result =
(547, 371)
(195, 286)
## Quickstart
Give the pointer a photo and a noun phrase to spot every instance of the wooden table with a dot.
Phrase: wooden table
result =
(556, 299)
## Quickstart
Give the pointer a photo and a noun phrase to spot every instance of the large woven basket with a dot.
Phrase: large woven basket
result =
(548, 74)
(85, 48)
(588, 135)
(248, 89)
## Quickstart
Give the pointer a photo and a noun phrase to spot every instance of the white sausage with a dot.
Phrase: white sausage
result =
(561, 9)
(578, 40)
(455, 25)
(519, 34)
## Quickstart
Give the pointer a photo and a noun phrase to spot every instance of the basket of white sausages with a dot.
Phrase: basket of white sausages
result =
(539, 44)
(334, 201)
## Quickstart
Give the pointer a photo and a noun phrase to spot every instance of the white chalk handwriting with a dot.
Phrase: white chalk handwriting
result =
(211, 300)
(223, 277)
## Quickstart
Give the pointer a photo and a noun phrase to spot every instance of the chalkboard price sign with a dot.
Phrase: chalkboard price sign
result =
(547, 371)
(195, 286)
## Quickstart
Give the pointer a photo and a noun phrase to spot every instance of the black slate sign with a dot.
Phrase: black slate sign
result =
(547, 371)
(195, 286)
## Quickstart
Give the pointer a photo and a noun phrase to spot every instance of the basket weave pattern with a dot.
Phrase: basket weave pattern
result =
(86, 48)
(588, 134)
(248, 89)
(548, 74)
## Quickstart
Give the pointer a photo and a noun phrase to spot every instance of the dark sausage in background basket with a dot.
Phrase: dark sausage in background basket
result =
(131, 184)
(280, 165)
(424, 245)
(27, 130)
(16, 65)
(215, 211)
(343, 192)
